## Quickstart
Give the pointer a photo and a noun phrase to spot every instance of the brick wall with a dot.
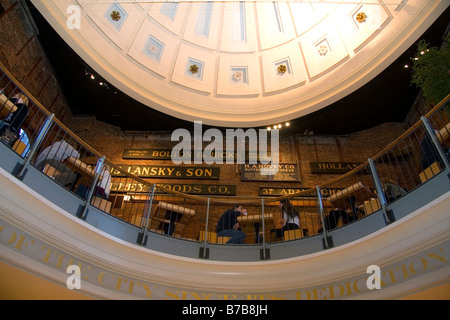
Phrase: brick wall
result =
(299, 149)
(22, 55)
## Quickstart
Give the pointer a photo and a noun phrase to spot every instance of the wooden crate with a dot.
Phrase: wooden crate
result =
(371, 205)
(223, 240)
(211, 237)
(49, 170)
(19, 147)
(102, 204)
(293, 234)
(429, 172)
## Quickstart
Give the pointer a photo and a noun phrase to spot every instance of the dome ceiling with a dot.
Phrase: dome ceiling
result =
(248, 63)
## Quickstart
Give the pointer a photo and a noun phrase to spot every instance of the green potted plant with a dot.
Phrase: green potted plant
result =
(431, 72)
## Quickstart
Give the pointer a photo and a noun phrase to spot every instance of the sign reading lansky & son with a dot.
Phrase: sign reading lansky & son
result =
(171, 172)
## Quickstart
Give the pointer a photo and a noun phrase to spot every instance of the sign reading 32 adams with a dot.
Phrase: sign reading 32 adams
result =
(176, 172)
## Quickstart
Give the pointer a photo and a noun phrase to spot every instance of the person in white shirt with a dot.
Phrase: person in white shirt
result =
(290, 215)
(290, 218)
(104, 186)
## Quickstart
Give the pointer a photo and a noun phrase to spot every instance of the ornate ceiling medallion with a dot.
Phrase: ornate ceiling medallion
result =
(115, 15)
(282, 68)
(361, 17)
(193, 68)
(237, 76)
(323, 50)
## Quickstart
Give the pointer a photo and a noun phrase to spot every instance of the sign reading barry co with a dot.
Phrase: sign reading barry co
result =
(170, 172)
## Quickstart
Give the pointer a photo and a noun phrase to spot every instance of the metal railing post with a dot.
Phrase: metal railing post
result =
(142, 236)
(204, 254)
(435, 142)
(388, 216)
(36, 144)
(98, 169)
(264, 252)
(326, 239)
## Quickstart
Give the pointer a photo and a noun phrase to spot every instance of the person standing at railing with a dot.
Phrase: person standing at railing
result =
(290, 218)
(392, 190)
(11, 125)
(104, 186)
(228, 226)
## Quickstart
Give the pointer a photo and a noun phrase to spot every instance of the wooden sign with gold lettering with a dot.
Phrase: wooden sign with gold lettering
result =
(146, 154)
(172, 172)
(166, 154)
(275, 192)
(284, 172)
(333, 167)
(200, 189)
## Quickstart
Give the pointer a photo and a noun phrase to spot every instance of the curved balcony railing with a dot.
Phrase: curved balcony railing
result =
(45, 143)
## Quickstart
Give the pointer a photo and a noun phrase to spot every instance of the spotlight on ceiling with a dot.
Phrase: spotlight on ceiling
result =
(287, 124)
(92, 77)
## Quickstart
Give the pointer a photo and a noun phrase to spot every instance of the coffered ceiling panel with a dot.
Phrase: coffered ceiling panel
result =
(275, 23)
(154, 48)
(283, 68)
(323, 48)
(203, 25)
(195, 69)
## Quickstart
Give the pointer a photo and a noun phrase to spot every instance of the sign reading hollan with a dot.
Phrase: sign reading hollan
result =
(333, 167)
(286, 172)
(176, 172)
